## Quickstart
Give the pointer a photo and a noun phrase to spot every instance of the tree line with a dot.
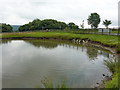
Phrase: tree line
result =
(47, 24)
(51, 24)
(5, 27)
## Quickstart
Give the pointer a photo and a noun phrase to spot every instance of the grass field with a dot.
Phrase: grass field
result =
(105, 39)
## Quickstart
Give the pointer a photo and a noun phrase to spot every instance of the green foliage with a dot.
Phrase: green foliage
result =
(113, 84)
(114, 67)
(72, 26)
(107, 23)
(0, 27)
(112, 64)
(46, 24)
(48, 84)
(5, 28)
(94, 20)
(118, 48)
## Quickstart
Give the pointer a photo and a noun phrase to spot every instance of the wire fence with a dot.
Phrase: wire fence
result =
(91, 31)
(114, 32)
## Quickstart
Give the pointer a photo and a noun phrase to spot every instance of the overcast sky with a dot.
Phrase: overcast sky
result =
(18, 12)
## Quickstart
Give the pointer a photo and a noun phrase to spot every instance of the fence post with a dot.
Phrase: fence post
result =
(102, 31)
(109, 31)
(118, 30)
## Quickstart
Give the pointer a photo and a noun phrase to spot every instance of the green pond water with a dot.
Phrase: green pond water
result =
(26, 62)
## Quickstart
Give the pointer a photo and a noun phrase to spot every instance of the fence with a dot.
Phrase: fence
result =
(95, 31)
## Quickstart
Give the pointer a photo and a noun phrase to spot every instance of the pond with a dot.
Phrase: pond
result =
(26, 62)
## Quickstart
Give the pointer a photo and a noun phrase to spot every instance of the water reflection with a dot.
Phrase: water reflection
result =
(92, 53)
(5, 41)
(105, 54)
(25, 66)
(40, 43)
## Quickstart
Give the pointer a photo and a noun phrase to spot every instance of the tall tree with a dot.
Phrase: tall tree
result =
(107, 23)
(94, 20)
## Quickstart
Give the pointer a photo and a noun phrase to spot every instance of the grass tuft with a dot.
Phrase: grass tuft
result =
(113, 65)
(48, 84)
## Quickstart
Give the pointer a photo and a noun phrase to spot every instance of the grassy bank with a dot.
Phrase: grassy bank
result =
(105, 39)
(111, 41)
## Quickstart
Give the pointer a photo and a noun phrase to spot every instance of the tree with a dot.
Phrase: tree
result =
(71, 25)
(0, 27)
(107, 23)
(43, 25)
(94, 20)
(5, 28)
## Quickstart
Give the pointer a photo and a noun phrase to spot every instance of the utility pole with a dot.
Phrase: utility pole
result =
(82, 25)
